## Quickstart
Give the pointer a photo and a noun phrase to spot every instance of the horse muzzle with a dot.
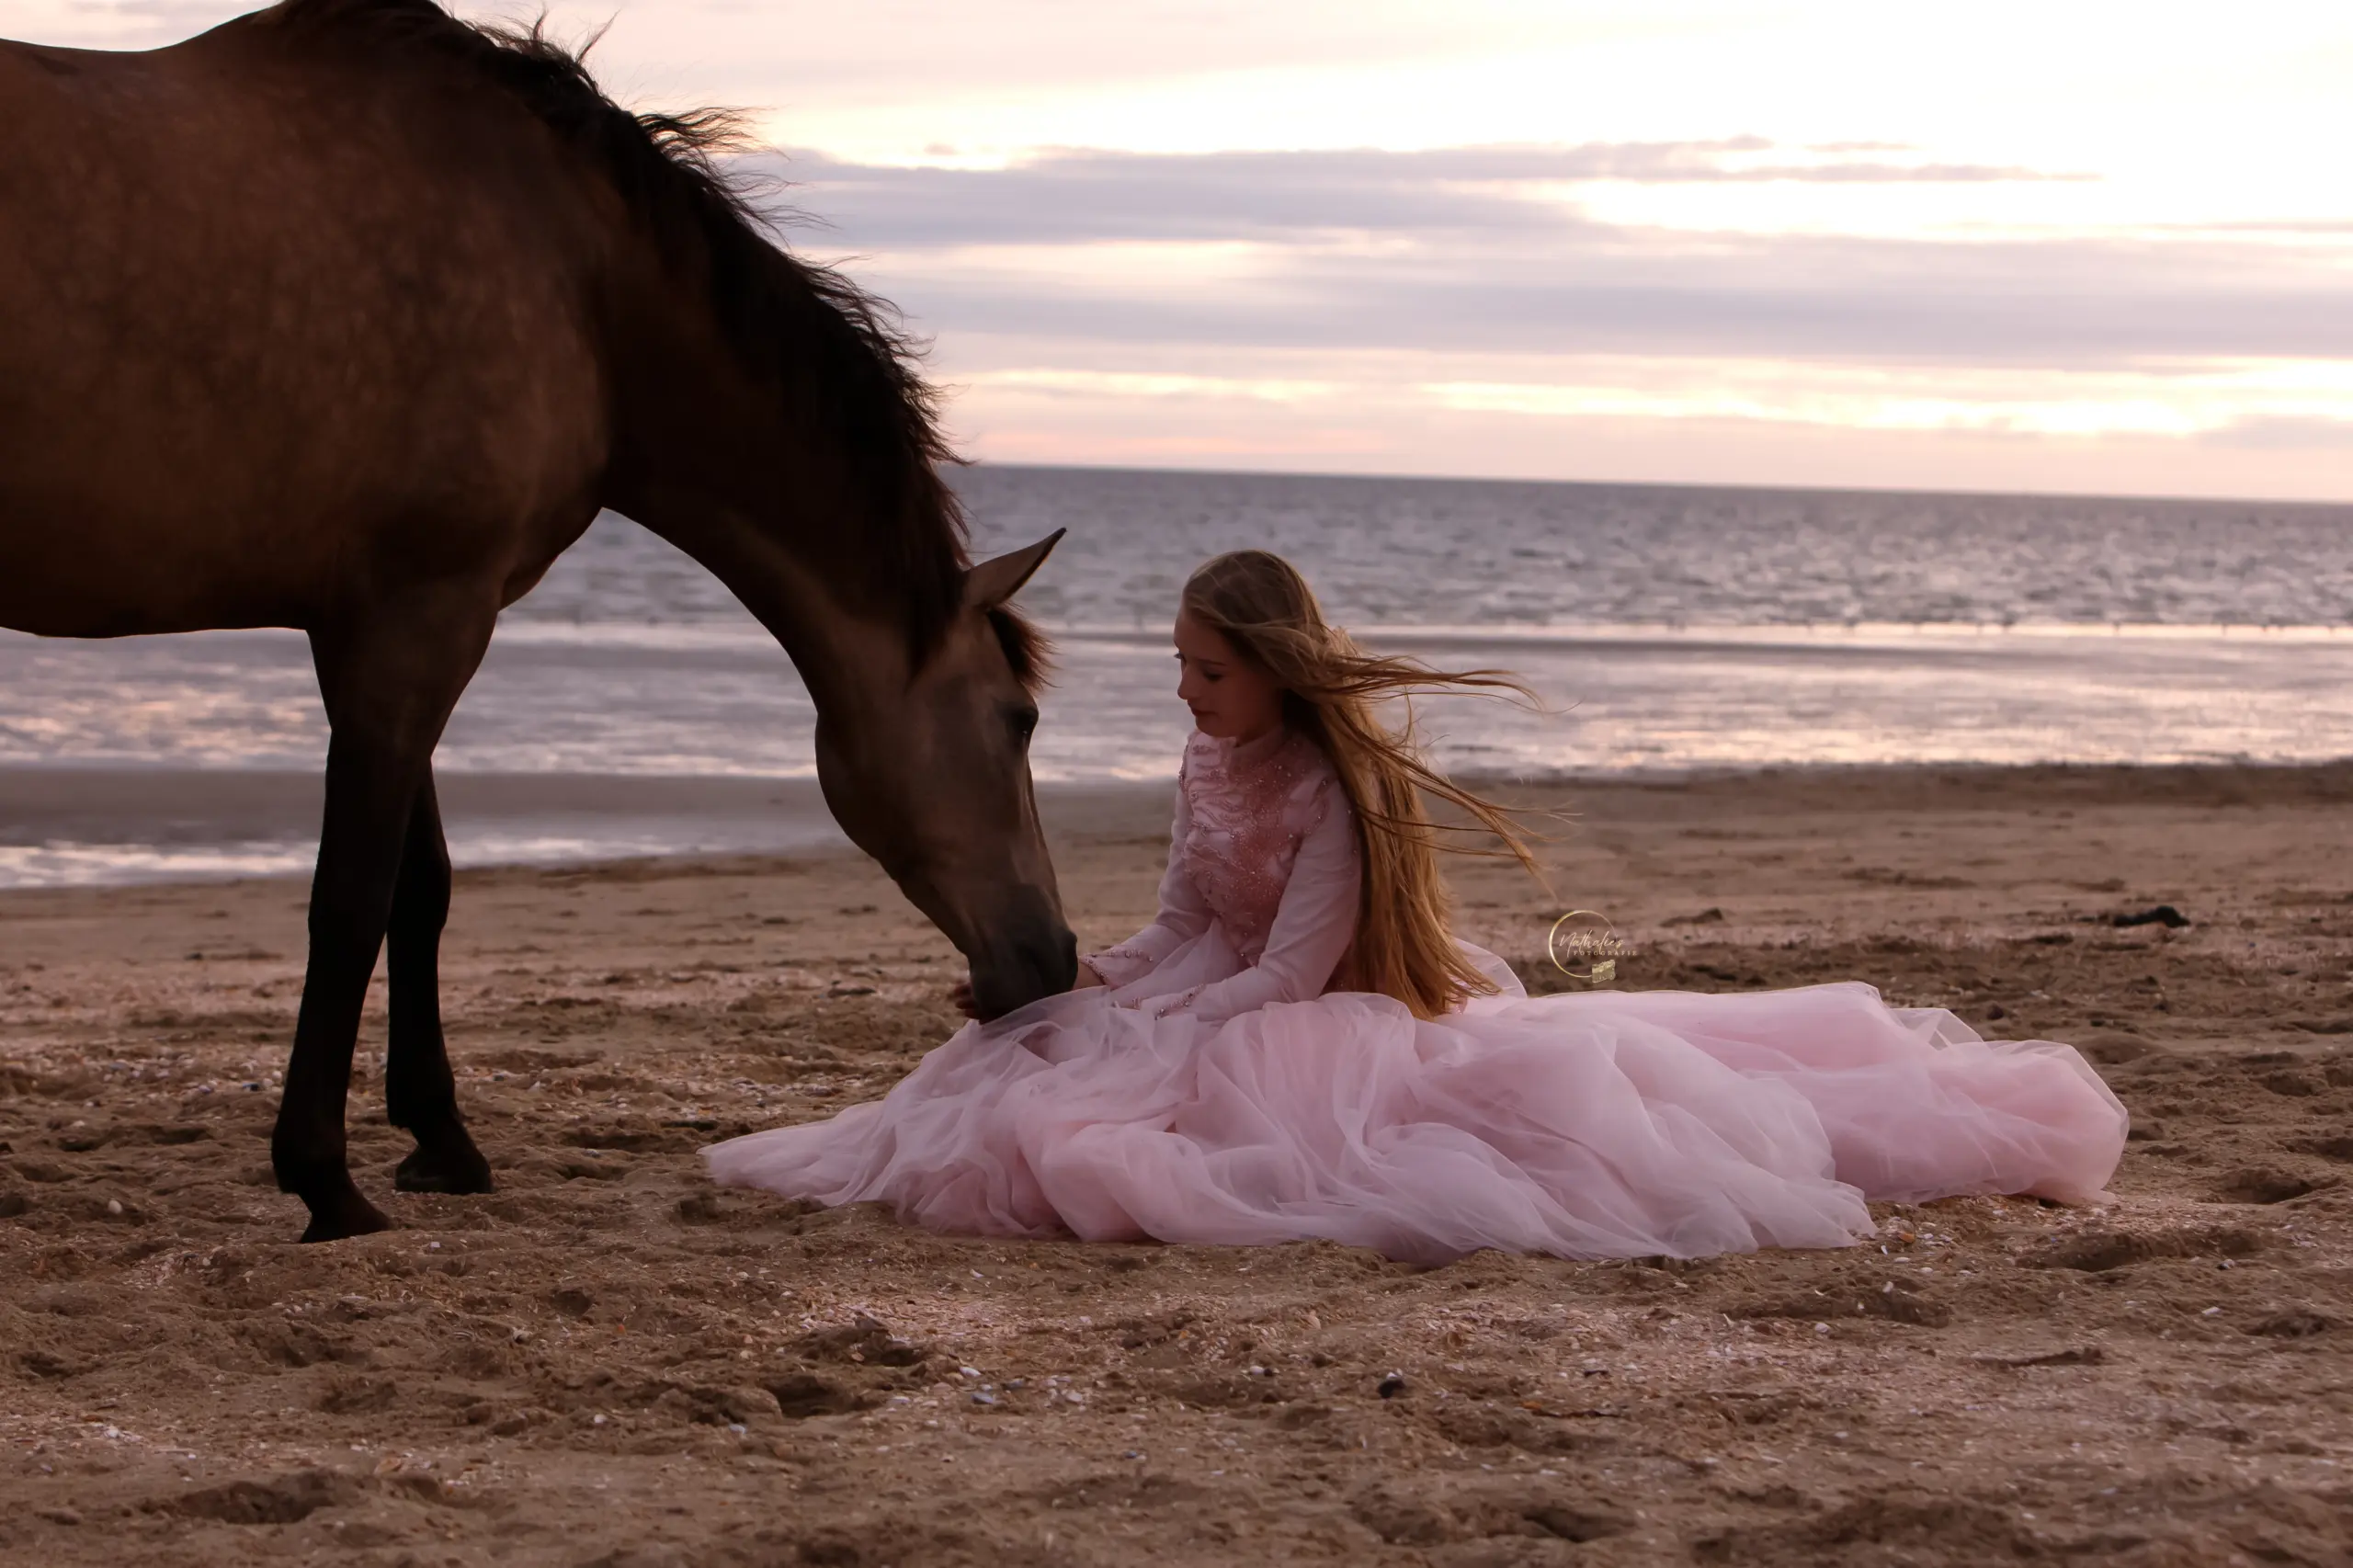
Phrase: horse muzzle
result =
(1020, 957)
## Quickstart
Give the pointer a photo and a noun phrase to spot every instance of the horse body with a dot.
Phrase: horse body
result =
(348, 318)
(234, 396)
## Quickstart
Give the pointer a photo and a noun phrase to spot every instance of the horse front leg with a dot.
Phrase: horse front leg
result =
(389, 687)
(420, 1093)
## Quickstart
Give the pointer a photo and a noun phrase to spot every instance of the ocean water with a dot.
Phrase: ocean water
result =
(1667, 629)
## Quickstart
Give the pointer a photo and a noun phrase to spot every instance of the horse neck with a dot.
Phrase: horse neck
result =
(766, 549)
(746, 480)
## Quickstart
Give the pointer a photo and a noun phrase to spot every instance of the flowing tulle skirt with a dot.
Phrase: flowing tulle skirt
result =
(1604, 1124)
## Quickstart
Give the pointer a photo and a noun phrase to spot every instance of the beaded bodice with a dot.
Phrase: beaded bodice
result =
(1250, 803)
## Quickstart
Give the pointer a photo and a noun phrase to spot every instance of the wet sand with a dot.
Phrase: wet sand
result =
(96, 826)
(610, 1362)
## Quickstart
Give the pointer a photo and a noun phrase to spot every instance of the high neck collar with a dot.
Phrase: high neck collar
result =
(1251, 752)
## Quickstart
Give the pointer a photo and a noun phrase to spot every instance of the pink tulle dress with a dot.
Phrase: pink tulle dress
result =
(1213, 1091)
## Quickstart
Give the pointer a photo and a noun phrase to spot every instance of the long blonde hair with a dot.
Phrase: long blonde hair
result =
(1403, 947)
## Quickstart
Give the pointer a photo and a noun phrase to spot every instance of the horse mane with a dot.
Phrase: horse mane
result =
(834, 349)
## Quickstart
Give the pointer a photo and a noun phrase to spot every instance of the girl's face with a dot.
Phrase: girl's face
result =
(1232, 699)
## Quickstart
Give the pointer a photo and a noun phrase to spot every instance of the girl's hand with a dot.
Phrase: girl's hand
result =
(1087, 979)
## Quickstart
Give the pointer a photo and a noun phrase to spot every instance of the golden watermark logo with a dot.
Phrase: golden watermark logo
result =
(1591, 944)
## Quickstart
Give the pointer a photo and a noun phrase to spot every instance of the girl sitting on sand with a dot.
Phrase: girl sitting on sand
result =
(1297, 1047)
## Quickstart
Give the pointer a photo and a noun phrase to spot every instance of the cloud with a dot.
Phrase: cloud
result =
(2287, 435)
(1485, 250)
(2061, 303)
(1074, 195)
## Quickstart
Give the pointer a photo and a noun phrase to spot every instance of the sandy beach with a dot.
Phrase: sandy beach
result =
(611, 1362)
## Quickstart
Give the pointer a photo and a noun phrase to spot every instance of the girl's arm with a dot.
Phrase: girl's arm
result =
(1182, 916)
(1313, 924)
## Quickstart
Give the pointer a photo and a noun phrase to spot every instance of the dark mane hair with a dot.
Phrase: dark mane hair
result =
(816, 338)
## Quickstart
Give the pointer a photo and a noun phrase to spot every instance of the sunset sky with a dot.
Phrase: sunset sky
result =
(2063, 246)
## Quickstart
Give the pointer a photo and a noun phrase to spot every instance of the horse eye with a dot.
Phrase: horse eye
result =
(1024, 723)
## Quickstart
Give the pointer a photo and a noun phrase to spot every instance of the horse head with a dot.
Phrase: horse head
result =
(928, 770)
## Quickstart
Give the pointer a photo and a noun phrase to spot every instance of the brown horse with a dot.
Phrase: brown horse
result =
(348, 317)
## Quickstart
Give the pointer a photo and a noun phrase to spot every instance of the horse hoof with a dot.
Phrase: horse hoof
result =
(351, 1216)
(449, 1170)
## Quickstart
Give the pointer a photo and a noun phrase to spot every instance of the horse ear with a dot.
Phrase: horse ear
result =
(995, 581)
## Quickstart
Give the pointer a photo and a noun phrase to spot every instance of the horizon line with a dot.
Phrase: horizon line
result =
(1955, 491)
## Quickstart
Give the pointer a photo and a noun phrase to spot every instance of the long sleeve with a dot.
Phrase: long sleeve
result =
(1183, 914)
(1313, 924)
